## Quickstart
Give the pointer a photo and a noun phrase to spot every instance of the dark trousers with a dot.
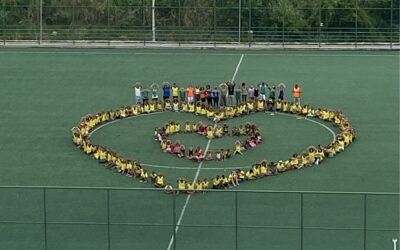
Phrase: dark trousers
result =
(215, 103)
(209, 101)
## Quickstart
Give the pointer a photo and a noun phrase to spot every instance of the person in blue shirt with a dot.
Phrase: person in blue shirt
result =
(166, 91)
(215, 96)
(281, 87)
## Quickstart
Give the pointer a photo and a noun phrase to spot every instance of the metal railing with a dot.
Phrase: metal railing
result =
(250, 23)
(103, 217)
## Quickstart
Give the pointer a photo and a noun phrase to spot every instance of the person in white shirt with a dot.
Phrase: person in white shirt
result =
(138, 93)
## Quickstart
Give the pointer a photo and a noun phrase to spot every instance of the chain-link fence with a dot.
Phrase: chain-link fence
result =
(250, 22)
(113, 218)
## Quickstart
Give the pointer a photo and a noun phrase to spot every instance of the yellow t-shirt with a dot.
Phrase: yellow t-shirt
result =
(260, 104)
(182, 185)
(190, 186)
(191, 107)
(210, 133)
(175, 91)
(249, 174)
(188, 127)
(210, 113)
(250, 106)
(238, 148)
(160, 180)
(152, 107)
(184, 107)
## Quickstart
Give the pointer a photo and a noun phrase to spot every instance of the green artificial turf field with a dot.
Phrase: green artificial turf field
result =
(46, 91)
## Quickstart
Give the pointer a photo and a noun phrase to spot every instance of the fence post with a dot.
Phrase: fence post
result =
(365, 221)
(109, 36)
(108, 220)
(73, 22)
(215, 22)
(4, 21)
(174, 217)
(45, 218)
(250, 32)
(319, 24)
(236, 221)
(144, 12)
(283, 30)
(240, 19)
(301, 221)
(356, 24)
(391, 24)
(153, 19)
(179, 23)
(41, 21)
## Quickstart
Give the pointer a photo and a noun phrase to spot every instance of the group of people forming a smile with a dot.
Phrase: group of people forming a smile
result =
(312, 156)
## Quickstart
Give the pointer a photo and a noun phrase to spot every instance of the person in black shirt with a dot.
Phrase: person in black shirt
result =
(209, 96)
(256, 92)
(231, 92)
(244, 93)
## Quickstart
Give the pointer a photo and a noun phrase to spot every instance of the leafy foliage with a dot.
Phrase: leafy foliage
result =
(128, 19)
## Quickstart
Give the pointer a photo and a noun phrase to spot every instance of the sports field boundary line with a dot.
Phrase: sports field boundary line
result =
(198, 169)
(237, 67)
(118, 120)
(266, 54)
(187, 168)
(210, 190)
(307, 119)
(231, 168)
(190, 195)
(199, 53)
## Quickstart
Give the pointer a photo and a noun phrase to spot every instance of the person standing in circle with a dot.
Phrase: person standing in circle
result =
(244, 91)
(209, 96)
(138, 93)
(224, 93)
(166, 91)
(190, 94)
(154, 92)
(231, 92)
(281, 87)
(296, 94)
(263, 91)
(175, 92)
(215, 96)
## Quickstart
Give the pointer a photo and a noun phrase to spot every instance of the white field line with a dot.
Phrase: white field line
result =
(323, 125)
(282, 114)
(198, 172)
(187, 168)
(237, 67)
(193, 54)
(310, 120)
(178, 223)
(117, 120)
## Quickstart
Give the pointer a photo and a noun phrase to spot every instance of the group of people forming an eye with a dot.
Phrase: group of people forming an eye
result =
(219, 130)
(312, 156)
(226, 94)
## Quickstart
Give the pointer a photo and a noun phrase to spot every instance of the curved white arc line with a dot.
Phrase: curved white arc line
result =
(323, 125)
(187, 168)
(117, 120)
(310, 120)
